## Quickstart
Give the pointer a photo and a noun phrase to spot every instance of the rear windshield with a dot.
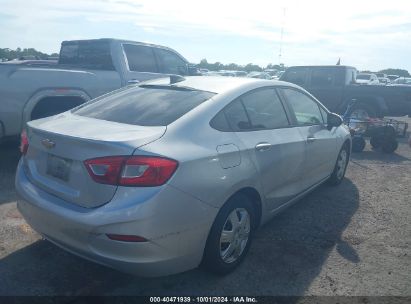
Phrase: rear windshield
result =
(92, 54)
(145, 106)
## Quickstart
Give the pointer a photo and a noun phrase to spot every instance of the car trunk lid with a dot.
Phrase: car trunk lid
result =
(58, 147)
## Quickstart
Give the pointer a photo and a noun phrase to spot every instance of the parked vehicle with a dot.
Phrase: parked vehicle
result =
(392, 77)
(402, 80)
(366, 78)
(240, 74)
(384, 80)
(335, 87)
(271, 72)
(227, 73)
(203, 71)
(382, 133)
(259, 75)
(381, 75)
(127, 181)
(86, 69)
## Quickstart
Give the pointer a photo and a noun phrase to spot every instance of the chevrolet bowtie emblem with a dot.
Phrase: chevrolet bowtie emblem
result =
(48, 143)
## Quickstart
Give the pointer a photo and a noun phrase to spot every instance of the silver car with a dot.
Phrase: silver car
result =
(161, 177)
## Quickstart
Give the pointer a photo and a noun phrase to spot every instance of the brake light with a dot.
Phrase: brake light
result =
(24, 142)
(145, 171)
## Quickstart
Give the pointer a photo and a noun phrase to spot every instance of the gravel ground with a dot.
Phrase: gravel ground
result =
(351, 240)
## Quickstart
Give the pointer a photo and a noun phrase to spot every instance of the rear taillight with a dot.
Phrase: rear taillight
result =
(131, 170)
(24, 142)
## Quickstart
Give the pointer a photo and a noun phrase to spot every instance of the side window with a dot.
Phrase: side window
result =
(297, 76)
(322, 77)
(140, 58)
(265, 109)
(171, 63)
(257, 110)
(220, 123)
(236, 116)
(306, 110)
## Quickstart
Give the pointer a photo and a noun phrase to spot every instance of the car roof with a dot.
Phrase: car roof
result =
(121, 41)
(218, 84)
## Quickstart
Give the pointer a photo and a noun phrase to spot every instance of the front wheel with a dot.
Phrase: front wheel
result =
(340, 166)
(358, 144)
(230, 236)
(389, 145)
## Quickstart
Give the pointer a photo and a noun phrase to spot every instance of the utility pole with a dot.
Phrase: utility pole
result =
(281, 37)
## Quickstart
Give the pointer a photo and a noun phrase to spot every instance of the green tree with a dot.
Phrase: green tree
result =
(279, 67)
(10, 54)
(252, 67)
(399, 72)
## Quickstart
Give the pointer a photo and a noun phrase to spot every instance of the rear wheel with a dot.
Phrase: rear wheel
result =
(376, 142)
(340, 166)
(230, 236)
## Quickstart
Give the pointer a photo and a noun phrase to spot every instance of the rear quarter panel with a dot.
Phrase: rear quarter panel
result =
(21, 86)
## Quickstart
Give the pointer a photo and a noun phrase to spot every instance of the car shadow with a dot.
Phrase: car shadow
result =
(287, 254)
(376, 155)
(9, 157)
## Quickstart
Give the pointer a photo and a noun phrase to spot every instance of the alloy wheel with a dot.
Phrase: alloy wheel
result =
(234, 235)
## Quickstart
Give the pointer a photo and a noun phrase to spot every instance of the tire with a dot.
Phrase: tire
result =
(389, 131)
(358, 144)
(376, 142)
(217, 257)
(340, 166)
(363, 111)
(389, 145)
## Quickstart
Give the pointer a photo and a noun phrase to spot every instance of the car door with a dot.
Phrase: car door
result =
(320, 143)
(141, 63)
(327, 85)
(277, 150)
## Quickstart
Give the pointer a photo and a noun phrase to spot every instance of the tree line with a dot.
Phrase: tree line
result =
(204, 64)
(9, 54)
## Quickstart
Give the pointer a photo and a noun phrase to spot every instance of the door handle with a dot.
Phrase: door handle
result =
(262, 146)
(133, 81)
(310, 139)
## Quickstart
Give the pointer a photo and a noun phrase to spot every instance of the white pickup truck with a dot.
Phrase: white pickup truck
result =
(86, 69)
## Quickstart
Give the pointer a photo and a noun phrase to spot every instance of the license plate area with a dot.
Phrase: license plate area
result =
(58, 167)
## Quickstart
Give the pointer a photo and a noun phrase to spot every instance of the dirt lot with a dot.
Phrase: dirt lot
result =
(351, 240)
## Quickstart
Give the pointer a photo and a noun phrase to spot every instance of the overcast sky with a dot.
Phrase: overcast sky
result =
(366, 34)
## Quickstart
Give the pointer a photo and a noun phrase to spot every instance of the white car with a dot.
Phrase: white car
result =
(367, 78)
(384, 80)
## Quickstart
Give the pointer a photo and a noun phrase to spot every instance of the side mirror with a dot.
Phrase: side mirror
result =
(333, 120)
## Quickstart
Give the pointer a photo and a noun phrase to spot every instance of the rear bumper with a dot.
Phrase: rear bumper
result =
(175, 224)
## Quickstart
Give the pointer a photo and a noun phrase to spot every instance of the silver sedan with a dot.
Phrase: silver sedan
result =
(170, 174)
